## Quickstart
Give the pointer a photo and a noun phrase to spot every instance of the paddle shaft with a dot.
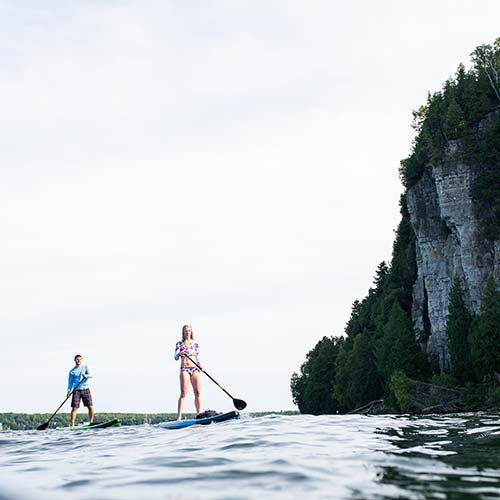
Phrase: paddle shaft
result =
(45, 425)
(212, 379)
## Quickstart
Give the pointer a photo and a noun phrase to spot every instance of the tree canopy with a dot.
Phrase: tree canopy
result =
(458, 332)
(486, 333)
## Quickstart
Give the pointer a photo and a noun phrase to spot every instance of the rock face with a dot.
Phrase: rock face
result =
(448, 244)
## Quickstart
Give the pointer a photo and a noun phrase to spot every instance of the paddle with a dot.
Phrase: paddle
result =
(239, 404)
(43, 426)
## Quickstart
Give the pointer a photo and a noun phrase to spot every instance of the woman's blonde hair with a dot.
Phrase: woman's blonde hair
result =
(185, 341)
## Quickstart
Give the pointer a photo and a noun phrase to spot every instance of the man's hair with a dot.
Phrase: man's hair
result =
(77, 356)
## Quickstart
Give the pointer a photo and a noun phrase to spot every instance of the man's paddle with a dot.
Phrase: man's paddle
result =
(239, 404)
(43, 426)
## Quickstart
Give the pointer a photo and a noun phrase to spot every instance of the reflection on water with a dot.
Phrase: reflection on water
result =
(276, 457)
(465, 454)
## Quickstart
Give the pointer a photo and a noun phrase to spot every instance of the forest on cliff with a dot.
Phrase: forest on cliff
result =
(380, 358)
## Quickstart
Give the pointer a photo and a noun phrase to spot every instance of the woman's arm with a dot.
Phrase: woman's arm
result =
(179, 347)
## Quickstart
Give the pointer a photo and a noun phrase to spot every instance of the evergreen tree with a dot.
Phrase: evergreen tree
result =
(403, 271)
(380, 275)
(312, 389)
(458, 328)
(398, 348)
(486, 334)
(350, 328)
(297, 387)
(454, 120)
(342, 388)
(366, 384)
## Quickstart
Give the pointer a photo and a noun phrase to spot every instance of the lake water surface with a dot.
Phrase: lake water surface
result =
(271, 457)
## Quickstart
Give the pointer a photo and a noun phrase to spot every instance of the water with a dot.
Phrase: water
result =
(272, 457)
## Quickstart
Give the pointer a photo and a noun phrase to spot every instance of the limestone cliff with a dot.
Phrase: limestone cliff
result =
(448, 244)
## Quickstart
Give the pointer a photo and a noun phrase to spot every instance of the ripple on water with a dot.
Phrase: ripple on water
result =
(279, 457)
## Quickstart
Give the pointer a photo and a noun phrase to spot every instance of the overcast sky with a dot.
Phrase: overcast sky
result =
(227, 164)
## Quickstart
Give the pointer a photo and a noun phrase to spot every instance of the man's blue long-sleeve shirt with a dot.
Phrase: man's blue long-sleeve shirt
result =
(75, 375)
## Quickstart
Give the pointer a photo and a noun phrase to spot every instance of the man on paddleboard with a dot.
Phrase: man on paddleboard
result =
(79, 386)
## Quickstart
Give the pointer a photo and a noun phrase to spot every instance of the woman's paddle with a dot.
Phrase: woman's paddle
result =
(239, 404)
(43, 426)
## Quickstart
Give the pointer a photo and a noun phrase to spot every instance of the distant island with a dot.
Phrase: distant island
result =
(27, 421)
(426, 338)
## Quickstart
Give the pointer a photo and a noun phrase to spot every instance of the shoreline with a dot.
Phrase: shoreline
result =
(17, 421)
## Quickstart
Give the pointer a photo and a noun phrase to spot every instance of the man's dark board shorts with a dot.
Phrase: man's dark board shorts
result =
(83, 395)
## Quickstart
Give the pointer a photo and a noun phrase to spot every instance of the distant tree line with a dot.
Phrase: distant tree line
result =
(26, 421)
(380, 355)
(29, 421)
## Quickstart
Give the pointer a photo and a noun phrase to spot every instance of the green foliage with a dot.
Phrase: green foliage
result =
(398, 348)
(357, 379)
(342, 387)
(486, 59)
(458, 330)
(486, 194)
(366, 384)
(404, 264)
(454, 112)
(454, 124)
(492, 396)
(473, 396)
(380, 275)
(380, 342)
(444, 380)
(312, 389)
(403, 389)
(298, 386)
(484, 395)
(486, 333)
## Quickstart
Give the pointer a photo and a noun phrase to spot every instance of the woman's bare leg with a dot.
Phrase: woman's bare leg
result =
(196, 383)
(184, 380)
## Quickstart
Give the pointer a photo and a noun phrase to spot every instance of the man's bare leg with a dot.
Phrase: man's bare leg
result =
(91, 414)
(73, 416)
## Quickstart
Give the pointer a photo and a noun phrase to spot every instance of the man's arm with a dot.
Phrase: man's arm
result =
(70, 383)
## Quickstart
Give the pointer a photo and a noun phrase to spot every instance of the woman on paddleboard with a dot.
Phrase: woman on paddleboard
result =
(185, 349)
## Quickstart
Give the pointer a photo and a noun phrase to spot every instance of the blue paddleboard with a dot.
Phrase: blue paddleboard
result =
(220, 417)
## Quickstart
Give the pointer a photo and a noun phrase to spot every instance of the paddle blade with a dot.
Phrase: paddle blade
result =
(239, 404)
(42, 427)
